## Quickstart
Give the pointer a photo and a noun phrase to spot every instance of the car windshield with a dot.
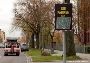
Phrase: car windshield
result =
(24, 45)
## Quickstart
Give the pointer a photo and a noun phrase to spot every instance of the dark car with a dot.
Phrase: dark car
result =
(24, 47)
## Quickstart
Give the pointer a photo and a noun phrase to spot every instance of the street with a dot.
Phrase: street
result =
(12, 58)
(25, 59)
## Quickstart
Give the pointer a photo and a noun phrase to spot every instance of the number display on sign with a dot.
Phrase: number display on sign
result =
(63, 22)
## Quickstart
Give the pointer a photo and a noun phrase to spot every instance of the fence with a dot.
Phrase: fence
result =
(78, 49)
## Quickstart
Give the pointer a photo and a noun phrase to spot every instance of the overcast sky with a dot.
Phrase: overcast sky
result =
(6, 15)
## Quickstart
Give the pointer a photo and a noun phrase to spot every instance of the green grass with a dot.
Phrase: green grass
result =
(73, 58)
(46, 58)
(34, 52)
(36, 56)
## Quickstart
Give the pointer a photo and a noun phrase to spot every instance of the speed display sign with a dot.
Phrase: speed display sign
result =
(63, 16)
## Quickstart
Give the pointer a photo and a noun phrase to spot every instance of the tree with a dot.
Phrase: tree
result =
(58, 37)
(70, 45)
(33, 13)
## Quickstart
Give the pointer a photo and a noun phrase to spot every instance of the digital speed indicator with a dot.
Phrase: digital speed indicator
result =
(63, 23)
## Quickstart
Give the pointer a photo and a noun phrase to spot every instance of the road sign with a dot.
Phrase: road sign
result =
(34, 38)
(63, 16)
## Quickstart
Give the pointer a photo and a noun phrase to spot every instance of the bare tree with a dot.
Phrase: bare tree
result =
(70, 45)
(33, 13)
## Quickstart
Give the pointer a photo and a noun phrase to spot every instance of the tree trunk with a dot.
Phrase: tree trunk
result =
(27, 38)
(37, 40)
(70, 45)
(32, 41)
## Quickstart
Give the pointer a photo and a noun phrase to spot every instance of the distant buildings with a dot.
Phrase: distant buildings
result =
(2, 36)
(20, 40)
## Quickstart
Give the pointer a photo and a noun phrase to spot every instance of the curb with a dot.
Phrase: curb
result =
(29, 59)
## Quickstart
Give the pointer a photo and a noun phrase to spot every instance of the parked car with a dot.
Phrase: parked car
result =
(24, 47)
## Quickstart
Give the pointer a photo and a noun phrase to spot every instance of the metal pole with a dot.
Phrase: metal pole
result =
(64, 47)
(64, 44)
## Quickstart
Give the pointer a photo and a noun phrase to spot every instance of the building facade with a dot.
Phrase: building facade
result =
(84, 22)
(2, 36)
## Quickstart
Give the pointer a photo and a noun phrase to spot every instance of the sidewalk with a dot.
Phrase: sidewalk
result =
(85, 58)
(82, 55)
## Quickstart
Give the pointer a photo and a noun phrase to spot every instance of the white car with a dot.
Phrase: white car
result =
(24, 47)
(12, 48)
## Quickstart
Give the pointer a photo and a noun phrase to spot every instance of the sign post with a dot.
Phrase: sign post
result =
(63, 21)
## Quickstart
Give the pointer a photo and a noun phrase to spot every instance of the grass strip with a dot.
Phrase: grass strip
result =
(36, 56)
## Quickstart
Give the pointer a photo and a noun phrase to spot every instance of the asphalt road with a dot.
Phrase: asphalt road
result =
(12, 58)
(25, 59)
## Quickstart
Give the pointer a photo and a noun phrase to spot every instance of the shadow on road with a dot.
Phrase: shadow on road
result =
(11, 55)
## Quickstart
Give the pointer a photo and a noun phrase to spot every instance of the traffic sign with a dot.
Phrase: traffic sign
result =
(63, 16)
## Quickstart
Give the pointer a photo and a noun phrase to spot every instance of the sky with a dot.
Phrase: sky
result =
(6, 18)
